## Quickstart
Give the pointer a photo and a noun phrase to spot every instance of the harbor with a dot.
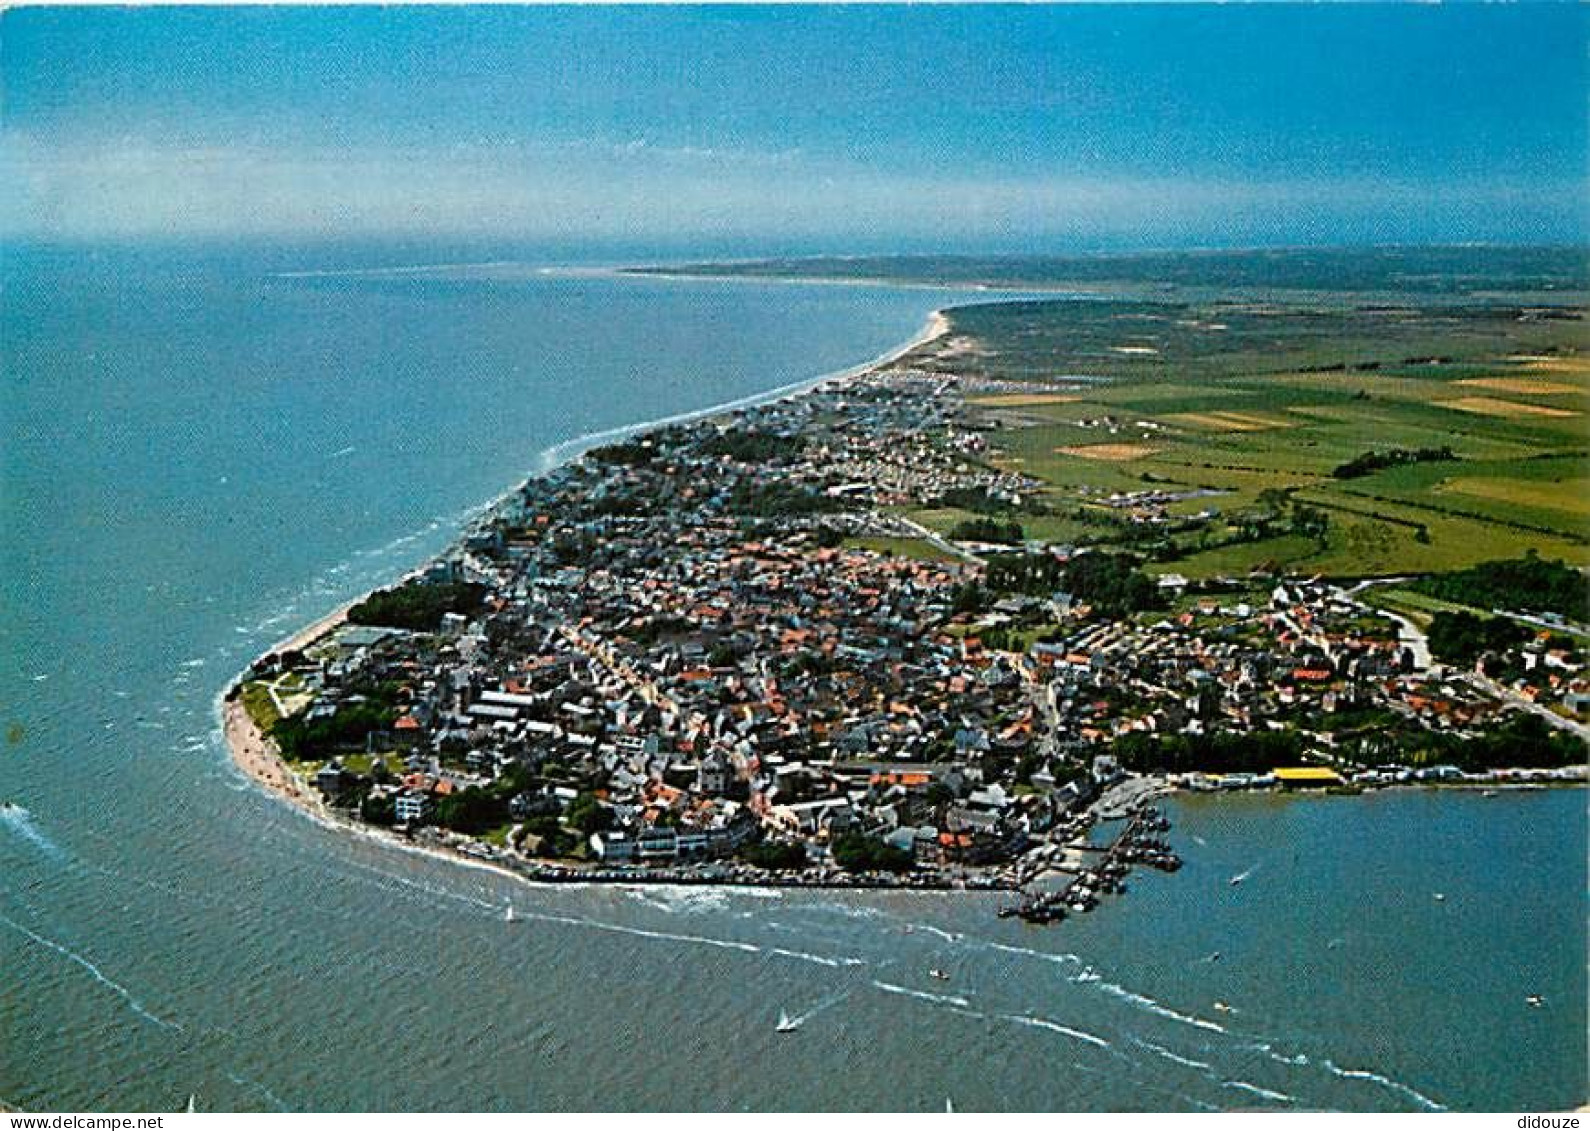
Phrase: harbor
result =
(1138, 843)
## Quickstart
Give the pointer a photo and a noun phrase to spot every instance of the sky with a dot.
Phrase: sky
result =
(783, 129)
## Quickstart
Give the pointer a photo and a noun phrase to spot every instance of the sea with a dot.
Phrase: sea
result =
(202, 450)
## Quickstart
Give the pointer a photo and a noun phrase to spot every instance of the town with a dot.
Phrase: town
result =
(723, 651)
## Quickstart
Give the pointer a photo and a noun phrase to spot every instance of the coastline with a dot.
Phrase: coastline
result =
(254, 754)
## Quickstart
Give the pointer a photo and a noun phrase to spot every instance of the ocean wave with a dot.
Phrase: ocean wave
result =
(947, 936)
(1301, 1060)
(818, 959)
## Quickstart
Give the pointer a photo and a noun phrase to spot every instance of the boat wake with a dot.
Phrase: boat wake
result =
(19, 821)
(96, 973)
(788, 1023)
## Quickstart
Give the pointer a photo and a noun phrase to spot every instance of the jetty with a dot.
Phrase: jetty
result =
(1138, 843)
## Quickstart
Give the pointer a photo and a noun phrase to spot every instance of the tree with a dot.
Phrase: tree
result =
(856, 852)
(776, 856)
(588, 815)
(1529, 583)
(417, 605)
(473, 810)
(378, 809)
(1461, 637)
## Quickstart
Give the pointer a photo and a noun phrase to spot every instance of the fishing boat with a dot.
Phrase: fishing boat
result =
(786, 1023)
(940, 975)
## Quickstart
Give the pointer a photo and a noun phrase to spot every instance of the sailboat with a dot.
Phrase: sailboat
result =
(786, 1023)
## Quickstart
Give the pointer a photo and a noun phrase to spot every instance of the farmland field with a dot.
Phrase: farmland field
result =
(1256, 403)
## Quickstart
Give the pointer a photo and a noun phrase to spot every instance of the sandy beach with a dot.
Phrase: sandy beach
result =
(255, 754)
(252, 750)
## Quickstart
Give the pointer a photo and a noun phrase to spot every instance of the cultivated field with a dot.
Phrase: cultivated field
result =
(1250, 398)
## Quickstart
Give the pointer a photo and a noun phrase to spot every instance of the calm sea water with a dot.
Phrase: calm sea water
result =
(199, 454)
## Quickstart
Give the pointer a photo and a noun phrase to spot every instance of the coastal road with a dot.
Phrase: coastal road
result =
(1508, 695)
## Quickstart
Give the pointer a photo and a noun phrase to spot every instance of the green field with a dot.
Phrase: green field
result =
(1251, 397)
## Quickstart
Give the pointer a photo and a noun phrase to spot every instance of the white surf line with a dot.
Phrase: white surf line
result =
(98, 975)
(1157, 1008)
(1173, 1057)
(271, 1097)
(1063, 958)
(947, 936)
(552, 457)
(1255, 1089)
(612, 928)
(641, 932)
(923, 995)
(1365, 1074)
(819, 959)
(1055, 1026)
(417, 270)
(1301, 1060)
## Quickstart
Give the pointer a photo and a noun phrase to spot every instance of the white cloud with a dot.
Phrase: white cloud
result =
(636, 188)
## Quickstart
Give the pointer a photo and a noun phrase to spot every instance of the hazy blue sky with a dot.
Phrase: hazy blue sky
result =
(810, 128)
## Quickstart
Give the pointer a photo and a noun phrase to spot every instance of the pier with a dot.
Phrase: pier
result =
(1139, 842)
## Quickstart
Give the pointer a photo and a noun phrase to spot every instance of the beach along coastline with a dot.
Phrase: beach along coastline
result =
(254, 753)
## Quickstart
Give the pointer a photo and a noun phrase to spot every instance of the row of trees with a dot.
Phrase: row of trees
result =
(1530, 583)
(754, 447)
(1372, 461)
(1523, 740)
(1220, 753)
(1461, 638)
(987, 530)
(300, 740)
(856, 852)
(417, 605)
